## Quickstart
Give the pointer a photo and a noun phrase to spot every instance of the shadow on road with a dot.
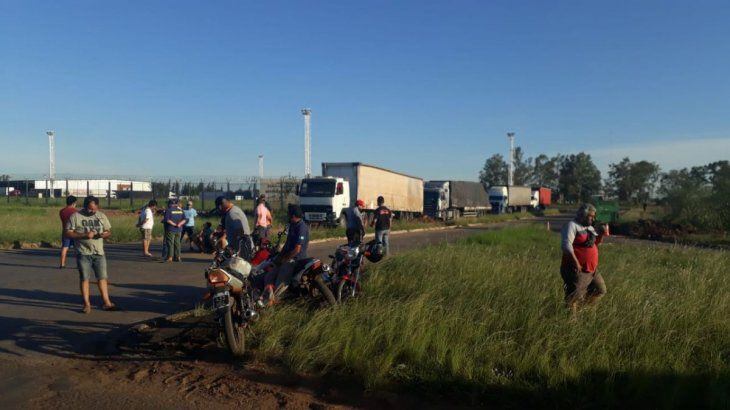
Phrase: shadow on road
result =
(71, 338)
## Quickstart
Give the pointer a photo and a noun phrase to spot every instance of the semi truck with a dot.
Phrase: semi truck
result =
(449, 200)
(506, 199)
(324, 198)
(541, 197)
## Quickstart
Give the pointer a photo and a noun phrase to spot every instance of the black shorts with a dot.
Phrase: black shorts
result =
(190, 230)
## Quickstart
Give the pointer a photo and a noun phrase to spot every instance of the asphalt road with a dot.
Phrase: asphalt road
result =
(40, 303)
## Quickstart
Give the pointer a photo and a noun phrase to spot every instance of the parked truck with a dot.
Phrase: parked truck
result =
(449, 200)
(505, 199)
(323, 199)
(541, 198)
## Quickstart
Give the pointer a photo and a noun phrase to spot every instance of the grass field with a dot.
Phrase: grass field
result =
(482, 322)
(40, 224)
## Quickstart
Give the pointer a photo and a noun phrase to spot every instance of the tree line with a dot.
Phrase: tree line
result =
(699, 195)
(573, 177)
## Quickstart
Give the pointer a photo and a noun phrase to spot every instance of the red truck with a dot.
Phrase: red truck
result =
(541, 197)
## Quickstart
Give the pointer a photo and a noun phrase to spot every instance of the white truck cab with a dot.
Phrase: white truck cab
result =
(323, 199)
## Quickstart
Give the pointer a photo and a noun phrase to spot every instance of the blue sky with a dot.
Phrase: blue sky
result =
(428, 88)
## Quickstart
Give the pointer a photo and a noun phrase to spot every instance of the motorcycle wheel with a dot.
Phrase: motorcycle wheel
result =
(325, 291)
(235, 338)
(345, 290)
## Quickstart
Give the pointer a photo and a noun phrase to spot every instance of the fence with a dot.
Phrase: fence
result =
(131, 193)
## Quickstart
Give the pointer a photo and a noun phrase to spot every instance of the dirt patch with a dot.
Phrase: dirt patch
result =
(187, 354)
(671, 233)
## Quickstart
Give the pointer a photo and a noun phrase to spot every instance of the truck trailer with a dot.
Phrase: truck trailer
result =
(541, 197)
(506, 199)
(449, 200)
(323, 199)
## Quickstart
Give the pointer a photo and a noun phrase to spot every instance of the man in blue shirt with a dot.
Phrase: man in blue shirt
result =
(189, 228)
(295, 248)
(174, 221)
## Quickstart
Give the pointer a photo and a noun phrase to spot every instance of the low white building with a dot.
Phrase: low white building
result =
(96, 187)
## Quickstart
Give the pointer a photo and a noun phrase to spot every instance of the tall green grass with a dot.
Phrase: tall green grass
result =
(483, 321)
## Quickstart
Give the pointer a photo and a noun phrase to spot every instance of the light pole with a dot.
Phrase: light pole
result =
(261, 172)
(307, 113)
(511, 172)
(51, 160)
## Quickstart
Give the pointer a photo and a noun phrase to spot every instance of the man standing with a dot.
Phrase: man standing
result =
(382, 219)
(295, 248)
(89, 228)
(174, 219)
(582, 284)
(355, 228)
(189, 228)
(263, 218)
(234, 221)
(145, 224)
(65, 215)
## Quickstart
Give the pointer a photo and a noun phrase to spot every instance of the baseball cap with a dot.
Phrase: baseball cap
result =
(360, 202)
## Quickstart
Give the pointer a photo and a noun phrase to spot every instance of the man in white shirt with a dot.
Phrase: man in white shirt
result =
(145, 224)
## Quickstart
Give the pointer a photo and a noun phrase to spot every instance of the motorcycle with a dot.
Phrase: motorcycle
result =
(234, 297)
(347, 263)
(310, 276)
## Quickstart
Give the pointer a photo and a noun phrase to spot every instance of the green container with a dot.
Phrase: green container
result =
(606, 211)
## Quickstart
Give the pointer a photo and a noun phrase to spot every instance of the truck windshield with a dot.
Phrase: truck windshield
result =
(431, 197)
(496, 198)
(317, 188)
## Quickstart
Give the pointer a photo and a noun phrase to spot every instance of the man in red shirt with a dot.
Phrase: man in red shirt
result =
(582, 284)
(65, 215)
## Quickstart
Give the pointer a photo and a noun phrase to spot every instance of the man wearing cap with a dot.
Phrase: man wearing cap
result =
(174, 221)
(295, 248)
(355, 227)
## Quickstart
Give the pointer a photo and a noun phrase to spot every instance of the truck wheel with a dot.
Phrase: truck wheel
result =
(342, 221)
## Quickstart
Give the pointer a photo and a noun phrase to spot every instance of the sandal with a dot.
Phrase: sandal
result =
(111, 308)
(86, 310)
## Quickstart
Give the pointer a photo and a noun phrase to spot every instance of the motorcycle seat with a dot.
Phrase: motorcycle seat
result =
(302, 264)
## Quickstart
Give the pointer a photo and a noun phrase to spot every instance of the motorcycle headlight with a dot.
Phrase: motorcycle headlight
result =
(218, 277)
(353, 252)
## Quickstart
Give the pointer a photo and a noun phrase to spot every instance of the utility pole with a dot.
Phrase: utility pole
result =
(51, 160)
(511, 172)
(261, 173)
(307, 143)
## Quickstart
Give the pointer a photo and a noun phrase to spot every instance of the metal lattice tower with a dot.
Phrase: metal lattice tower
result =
(307, 143)
(51, 160)
(511, 172)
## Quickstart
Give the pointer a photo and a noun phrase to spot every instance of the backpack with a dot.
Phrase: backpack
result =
(141, 218)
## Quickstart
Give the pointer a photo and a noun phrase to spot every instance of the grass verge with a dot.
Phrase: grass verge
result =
(40, 224)
(482, 321)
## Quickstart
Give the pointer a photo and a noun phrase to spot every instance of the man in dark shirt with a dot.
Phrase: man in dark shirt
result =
(382, 219)
(295, 248)
(174, 221)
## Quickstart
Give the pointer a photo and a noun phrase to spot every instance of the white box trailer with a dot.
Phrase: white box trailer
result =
(322, 199)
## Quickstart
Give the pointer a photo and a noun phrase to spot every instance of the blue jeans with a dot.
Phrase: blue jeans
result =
(384, 238)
